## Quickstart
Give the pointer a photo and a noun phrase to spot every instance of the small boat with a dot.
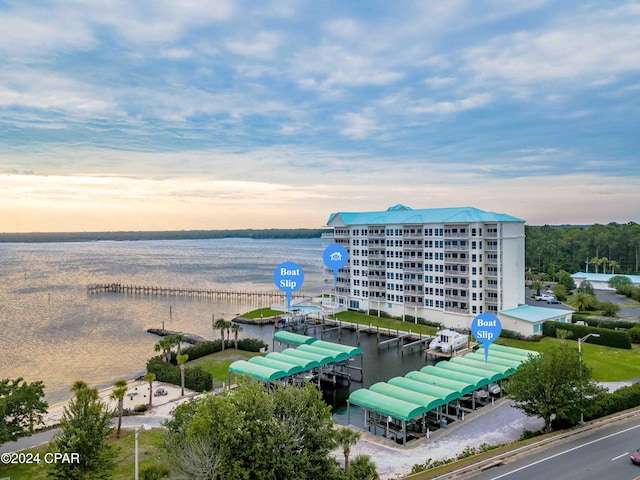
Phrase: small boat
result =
(448, 341)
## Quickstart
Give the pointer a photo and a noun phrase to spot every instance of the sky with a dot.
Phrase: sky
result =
(166, 115)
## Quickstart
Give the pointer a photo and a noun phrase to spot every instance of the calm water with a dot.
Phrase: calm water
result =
(52, 330)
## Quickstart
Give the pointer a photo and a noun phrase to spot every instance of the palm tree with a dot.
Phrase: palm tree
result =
(596, 262)
(221, 324)
(118, 393)
(177, 341)
(150, 377)
(363, 468)
(165, 345)
(346, 438)
(236, 328)
(182, 359)
(613, 265)
(605, 262)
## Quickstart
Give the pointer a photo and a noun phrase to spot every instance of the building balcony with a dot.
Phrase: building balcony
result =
(491, 248)
(456, 248)
(413, 281)
(411, 235)
(491, 234)
(416, 303)
(464, 261)
(341, 234)
(376, 235)
(376, 255)
(457, 298)
(456, 273)
(413, 269)
(455, 235)
(414, 248)
(491, 274)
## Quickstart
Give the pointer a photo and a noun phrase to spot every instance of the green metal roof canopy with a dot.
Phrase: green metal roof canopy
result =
(427, 401)
(489, 377)
(305, 363)
(393, 407)
(445, 394)
(333, 355)
(462, 388)
(475, 380)
(319, 359)
(515, 351)
(288, 368)
(514, 364)
(293, 338)
(348, 349)
(266, 374)
(489, 367)
(506, 355)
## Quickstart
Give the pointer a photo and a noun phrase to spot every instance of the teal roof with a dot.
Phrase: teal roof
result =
(462, 388)
(266, 374)
(532, 314)
(293, 338)
(287, 367)
(488, 377)
(476, 380)
(445, 394)
(401, 214)
(385, 404)
(513, 351)
(348, 349)
(424, 400)
(604, 277)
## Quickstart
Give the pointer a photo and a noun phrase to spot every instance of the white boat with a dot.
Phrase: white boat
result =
(449, 341)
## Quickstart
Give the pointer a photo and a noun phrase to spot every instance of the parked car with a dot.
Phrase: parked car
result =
(544, 296)
(160, 392)
(635, 458)
(494, 389)
(553, 301)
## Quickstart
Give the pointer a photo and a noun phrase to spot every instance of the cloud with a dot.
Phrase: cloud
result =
(264, 45)
(471, 102)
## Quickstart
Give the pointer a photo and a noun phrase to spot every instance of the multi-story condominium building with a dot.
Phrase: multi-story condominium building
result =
(444, 265)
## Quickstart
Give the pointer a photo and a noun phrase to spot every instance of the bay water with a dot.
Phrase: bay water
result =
(52, 330)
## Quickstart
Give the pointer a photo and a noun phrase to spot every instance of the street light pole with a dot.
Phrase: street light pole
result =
(137, 434)
(580, 342)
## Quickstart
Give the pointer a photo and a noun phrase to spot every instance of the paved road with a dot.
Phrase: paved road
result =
(599, 454)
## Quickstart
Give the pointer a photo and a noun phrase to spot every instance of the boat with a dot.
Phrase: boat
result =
(448, 341)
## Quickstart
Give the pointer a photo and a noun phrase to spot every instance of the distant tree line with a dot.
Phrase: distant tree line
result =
(51, 237)
(611, 248)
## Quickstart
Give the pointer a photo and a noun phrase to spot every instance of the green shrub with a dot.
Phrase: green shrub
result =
(201, 349)
(519, 336)
(154, 472)
(197, 379)
(622, 399)
(251, 344)
(607, 337)
(140, 408)
(608, 309)
(634, 334)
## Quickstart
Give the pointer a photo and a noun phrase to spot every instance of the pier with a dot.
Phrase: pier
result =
(270, 296)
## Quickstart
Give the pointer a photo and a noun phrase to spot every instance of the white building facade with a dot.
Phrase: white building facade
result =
(444, 265)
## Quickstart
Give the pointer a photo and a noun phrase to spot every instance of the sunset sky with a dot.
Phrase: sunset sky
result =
(166, 115)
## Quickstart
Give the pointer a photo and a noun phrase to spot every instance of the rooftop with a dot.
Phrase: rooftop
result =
(532, 314)
(401, 214)
(604, 277)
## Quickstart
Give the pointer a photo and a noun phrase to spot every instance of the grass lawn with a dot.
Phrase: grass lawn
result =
(265, 312)
(607, 364)
(217, 364)
(383, 322)
(125, 460)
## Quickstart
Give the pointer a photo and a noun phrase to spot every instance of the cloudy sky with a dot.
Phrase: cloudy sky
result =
(163, 115)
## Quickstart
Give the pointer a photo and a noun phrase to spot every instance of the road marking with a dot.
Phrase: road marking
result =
(566, 451)
(620, 456)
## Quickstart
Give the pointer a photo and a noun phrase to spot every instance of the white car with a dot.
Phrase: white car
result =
(160, 392)
(544, 297)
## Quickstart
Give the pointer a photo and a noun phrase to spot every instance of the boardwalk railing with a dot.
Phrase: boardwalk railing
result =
(214, 294)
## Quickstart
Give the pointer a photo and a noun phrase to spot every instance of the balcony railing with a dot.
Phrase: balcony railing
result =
(456, 260)
(456, 310)
(463, 248)
(456, 273)
(455, 235)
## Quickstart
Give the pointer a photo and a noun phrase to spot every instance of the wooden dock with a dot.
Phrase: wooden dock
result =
(270, 296)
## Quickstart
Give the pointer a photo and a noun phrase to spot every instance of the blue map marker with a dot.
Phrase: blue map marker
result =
(288, 277)
(486, 327)
(335, 257)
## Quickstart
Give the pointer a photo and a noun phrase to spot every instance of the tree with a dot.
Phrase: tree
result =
(150, 377)
(363, 468)
(613, 265)
(584, 301)
(22, 407)
(560, 291)
(553, 385)
(563, 334)
(605, 262)
(118, 393)
(346, 438)
(182, 359)
(586, 287)
(215, 436)
(596, 262)
(236, 328)
(619, 280)
(536, 285)
(608, 309)
(564, 278)
(84, 427)
(221, 324)
(164, 345)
